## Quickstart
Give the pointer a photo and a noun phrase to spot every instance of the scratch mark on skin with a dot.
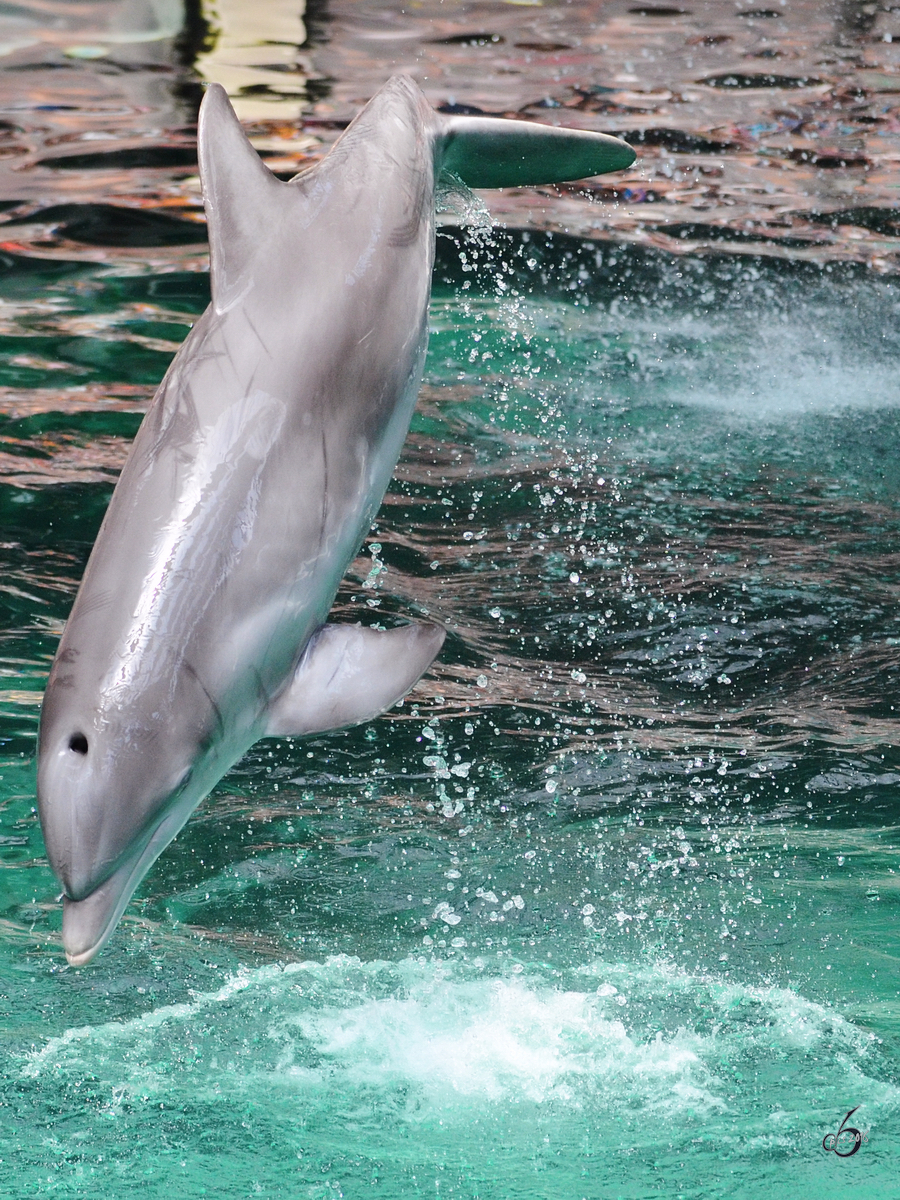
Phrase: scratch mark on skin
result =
(419, 199)
(95, 603)
(218, 712)
(206, 356)
(324, 524)
(262, 690)
(259, 337)
(337, 668)
(229, 354)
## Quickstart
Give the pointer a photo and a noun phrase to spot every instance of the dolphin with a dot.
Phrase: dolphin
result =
(200, 623)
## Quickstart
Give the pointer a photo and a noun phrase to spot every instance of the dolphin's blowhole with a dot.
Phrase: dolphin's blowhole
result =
(79, 743)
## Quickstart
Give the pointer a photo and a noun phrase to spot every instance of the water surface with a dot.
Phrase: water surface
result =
(606, 907)
(609, 906)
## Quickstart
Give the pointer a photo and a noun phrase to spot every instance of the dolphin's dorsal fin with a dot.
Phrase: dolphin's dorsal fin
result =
(349, 674)
(489, 152)
(239, 192)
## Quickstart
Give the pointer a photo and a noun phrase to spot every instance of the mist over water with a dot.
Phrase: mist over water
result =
(608, 906)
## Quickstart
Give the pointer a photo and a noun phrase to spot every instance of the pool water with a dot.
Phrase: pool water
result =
(608, 907)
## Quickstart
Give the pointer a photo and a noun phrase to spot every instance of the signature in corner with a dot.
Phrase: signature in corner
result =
(847, 1140)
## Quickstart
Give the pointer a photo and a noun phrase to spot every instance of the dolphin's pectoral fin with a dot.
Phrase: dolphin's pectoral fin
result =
(488, 152)
(349, 674)
(239, 194)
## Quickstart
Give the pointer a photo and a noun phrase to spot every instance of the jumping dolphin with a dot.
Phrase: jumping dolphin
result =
(199, 624)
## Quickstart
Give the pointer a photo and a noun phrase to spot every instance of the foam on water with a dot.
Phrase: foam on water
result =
(441, 1040)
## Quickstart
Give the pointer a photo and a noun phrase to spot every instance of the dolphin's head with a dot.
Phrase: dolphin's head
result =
(116, 781)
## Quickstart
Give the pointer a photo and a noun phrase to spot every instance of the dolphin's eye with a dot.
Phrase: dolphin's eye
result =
(79, 743)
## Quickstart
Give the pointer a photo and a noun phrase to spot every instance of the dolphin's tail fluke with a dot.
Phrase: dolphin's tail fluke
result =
(489, 152)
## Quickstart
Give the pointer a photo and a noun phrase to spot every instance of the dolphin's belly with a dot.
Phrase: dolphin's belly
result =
(247, 492)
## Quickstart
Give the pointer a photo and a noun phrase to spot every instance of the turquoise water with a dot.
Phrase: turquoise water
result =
(608, 908)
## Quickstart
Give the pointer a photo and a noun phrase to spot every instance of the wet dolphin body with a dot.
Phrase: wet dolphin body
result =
(199, 624)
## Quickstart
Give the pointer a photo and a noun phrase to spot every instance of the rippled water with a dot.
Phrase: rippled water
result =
(608, 907)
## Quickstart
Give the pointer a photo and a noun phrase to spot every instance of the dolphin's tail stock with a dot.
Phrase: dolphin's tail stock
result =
(489, 152)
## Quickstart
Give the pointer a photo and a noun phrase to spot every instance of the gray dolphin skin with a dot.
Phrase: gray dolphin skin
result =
(199, 626)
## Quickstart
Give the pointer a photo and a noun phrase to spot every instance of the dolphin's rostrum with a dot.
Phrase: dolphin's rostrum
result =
(199, 624)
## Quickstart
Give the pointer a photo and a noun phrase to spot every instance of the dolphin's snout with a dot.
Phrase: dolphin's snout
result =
(83, 923)
(88, 923)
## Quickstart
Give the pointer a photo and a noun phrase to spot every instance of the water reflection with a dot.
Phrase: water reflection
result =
(776, 134)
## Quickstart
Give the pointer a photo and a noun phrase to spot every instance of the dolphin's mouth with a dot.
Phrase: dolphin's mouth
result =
(89, 923)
